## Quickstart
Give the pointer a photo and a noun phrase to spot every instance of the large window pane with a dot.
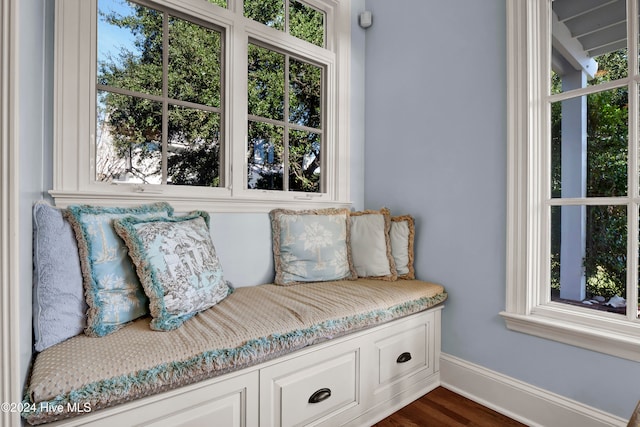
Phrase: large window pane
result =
(590, 145)
(193, 147)
(266, 83)
(589, 256)
(128, 146)
(129, 46)
(305, 94)
(265, 156)
(194, 63)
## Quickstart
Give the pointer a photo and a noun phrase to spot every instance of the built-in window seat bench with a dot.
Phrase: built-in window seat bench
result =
(333, 353)
(136, 325)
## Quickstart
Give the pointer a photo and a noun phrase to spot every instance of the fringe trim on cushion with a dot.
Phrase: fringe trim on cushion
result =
(211, 363)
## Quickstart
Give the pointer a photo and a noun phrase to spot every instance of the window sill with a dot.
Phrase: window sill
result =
(236, 204)
(616, 337)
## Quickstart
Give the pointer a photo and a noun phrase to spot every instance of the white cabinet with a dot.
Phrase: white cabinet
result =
(370, 374)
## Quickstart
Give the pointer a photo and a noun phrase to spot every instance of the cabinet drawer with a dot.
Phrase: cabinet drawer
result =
(307, 393)
(230, 400)
(402, 354)
(223, 411)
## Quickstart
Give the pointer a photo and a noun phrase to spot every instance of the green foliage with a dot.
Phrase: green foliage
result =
(306, 23)
(601, 283)
(268, 12)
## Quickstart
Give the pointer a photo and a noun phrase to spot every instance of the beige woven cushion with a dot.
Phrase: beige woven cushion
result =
(251, 325)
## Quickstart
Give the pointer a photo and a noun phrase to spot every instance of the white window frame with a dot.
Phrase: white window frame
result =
(74, 112)
(528, 306)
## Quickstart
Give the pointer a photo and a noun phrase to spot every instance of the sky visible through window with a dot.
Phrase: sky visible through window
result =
(111, 38)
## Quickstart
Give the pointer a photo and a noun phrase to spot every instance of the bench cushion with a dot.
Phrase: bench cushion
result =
(252, 325)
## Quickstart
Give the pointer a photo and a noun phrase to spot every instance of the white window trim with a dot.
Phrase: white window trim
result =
(12, 331)
(74, 114)
(528, 308)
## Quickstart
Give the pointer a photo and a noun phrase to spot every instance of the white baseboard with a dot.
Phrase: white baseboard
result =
(518, 400)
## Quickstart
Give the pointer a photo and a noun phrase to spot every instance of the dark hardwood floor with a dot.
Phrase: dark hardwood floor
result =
(444, 408)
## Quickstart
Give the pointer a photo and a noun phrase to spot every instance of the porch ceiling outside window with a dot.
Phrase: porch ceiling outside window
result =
(584, 29)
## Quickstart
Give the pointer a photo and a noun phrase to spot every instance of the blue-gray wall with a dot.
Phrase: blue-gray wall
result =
(436, 148)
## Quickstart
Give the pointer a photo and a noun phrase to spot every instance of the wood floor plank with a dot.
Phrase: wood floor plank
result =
(425, 412)
(444, 408)
(471, 410)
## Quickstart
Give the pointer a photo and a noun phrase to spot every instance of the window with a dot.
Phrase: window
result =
(208, 104)
(574, 175)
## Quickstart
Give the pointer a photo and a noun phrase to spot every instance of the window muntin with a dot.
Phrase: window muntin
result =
(160, 98)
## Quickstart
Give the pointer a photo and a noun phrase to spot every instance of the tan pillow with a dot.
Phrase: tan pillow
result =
(371, 246)
(402, 235)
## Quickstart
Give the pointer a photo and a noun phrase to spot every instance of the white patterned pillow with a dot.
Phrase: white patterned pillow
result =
(311, 245)
(177, 265)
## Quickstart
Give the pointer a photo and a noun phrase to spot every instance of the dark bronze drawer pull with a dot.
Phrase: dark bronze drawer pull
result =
(404, 357)
(320, 395)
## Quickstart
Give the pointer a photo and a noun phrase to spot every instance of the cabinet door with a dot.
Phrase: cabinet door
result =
(309, 388)
(232, 401)
(402, 353)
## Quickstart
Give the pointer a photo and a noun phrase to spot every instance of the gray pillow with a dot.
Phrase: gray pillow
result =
(59, 307)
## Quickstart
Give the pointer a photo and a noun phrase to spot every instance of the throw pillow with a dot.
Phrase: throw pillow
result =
(177, 265)
(112, 289)
(59, 308)
(370, 244)
(311, 245)
(402, 235)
